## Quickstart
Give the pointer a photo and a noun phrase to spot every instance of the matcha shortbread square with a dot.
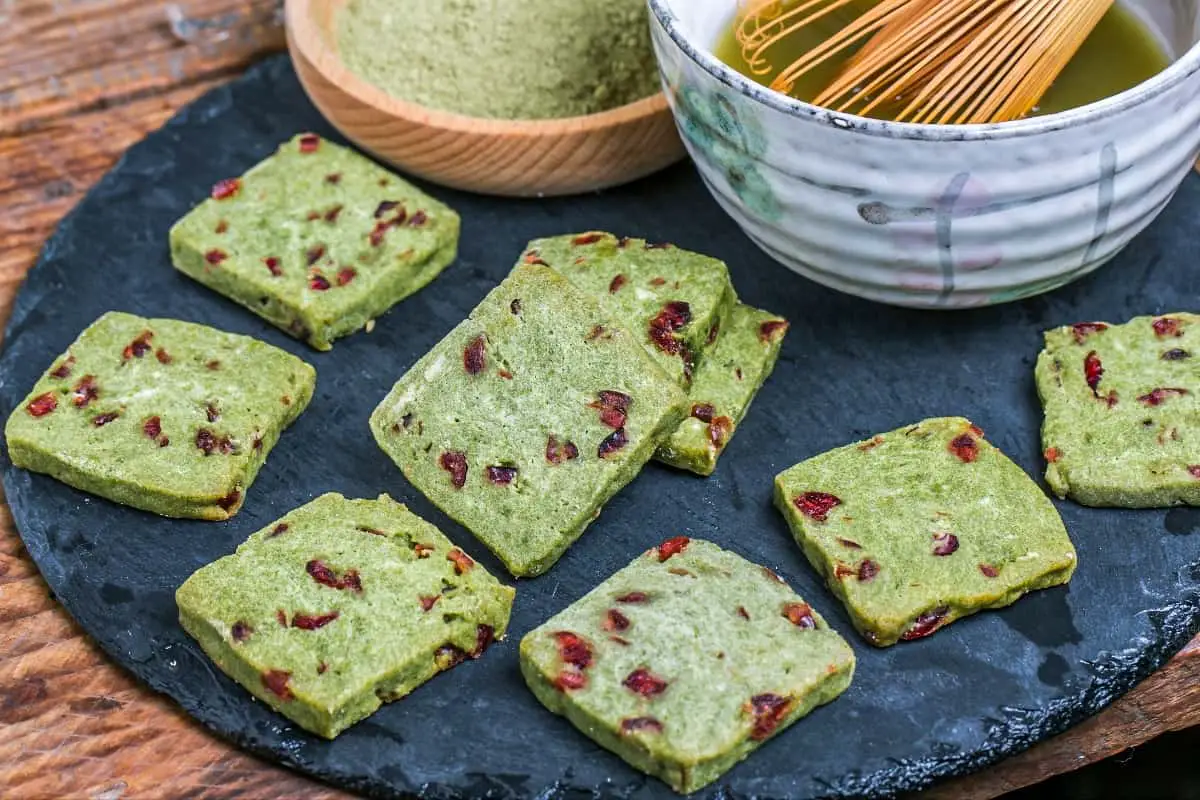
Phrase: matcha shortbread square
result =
(528, 417)
(317, 240)
(916, 528)
(1122, 411)
(162, 415)
(340, 606)
(685, 661)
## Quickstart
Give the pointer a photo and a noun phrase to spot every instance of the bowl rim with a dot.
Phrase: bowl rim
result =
(1177, 72)
(306, 36)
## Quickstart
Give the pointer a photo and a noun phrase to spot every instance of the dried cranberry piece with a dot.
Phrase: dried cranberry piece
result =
(658, 281)
(1176, 355)
(163, 356)
(1159, 396)
(632, 724)
(816, 505)
(211, 412)
(309, 622)
(222, 226)
(850, 543)
(743, 613)
(703, 412)
(680, 571)
(1093, 370)
(215, 256)
(1052, 454)
(345, 275)
(617, 282)
(309, 143)
(534, 257)
(279, 529)
(475, 355)
(384, 207)
(989, 571)
(418, 219)
(719, 431)
(772, 330)
(612, 443)
(633, 597)
(213, 365)
(768, 711)
(944, 543)
(800, 615)
(1165, 326)
(672, 546)
(100, 420)
(587, 238)
(332, 214)
(42, 405)
(230, 500)
(276, 681)
(484, 636)
(645, 683)
(965, 448)
(558, 452)
(241, 631)
(272, 265)
(867, 570)
(334, 178)
(227, 188)
(455, 462)
(139, 346)
(85, 391)
(502, 476)
(462, 561)
(1083, 330)
(613, 407)
(926, 624)
(569, 680)
(674, 315)
(152, 427)
(321, 668)
(63, 370)
(843, 571)
(503, 373)
(1194, 470)
(615, 621)
(573, 649)
(448, 655)
(314, 254)
(427, 601)
(210, 443)
(323, 574)
(422, 550)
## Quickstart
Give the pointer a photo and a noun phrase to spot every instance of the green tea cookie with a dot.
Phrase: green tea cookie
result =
(685, 661)
(340, 606)
(918, 527)
(1122, 425)
(528, 417)
(161, 415)
(729, 376)
(316, 239)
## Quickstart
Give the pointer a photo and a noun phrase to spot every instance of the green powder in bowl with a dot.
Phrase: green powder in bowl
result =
(502, 59)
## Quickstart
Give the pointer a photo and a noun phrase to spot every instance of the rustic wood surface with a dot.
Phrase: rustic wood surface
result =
(82, 80)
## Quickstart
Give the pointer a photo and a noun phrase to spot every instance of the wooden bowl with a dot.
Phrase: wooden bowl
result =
(503, 157)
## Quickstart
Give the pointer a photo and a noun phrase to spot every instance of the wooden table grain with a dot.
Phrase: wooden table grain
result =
(81, 81)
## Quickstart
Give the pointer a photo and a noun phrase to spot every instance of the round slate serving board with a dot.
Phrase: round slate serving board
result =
(975, 692)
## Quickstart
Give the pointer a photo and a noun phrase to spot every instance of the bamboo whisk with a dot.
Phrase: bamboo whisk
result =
(929, 61)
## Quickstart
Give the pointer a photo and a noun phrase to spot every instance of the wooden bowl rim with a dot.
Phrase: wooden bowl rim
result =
(305, 36)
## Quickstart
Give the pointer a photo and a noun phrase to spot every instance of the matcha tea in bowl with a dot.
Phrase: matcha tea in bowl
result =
(881, 151)
(504, 97)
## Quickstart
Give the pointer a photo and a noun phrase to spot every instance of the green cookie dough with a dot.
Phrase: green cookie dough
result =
(340, 606)
(528, 417)
(316, 239)
(685, 661)
(729, 376)
(165, 416)
(670, 298)
(1122, 403)
(918, 527)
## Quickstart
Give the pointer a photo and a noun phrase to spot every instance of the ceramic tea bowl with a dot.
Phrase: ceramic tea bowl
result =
(933, 216)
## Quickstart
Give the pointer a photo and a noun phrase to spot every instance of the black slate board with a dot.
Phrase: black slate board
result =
(982, 689)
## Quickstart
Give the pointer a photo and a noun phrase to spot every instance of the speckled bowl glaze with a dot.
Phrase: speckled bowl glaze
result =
(933, 216)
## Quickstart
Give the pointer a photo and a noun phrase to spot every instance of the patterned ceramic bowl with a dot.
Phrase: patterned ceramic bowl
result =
(933, 216)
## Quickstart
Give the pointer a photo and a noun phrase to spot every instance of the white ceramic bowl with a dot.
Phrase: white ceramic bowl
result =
(933, 216)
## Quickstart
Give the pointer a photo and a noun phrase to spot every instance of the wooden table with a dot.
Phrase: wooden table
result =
(81, 81)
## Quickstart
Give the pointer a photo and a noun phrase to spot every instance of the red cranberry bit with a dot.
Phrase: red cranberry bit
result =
(534, 257)
(1052, 454)
(1093, 370)
(448, 656)
(843, 571)
(209, 443)
(617, 282)
(422, 550)
(313, 216)
(743, 613)
(738, 372)
(672, 546)
(1165, 326)
(42, 405)
(615, 621)
(633, 724)
(314, 255)
(681, 572)
(816, 505)
(768, 711)
(309, 622)
(213, 365)
(345, 275)
(926, 624)
(152, 427)
(139, 346)
(163, 356)
(279, 529)
(573, 649)
(703, 412)
(276, 681)
(944, 544)
(241, 631)
(612, 443)
(867, 570)
(418, 219)
(334, 178)
(455, 462)
(1083, 330)
(719, 431)
(85, 391)
(309, 143)
(558, 452)
(332, 214)
(484, 636)
(1176, 355)
(587, 238)
(227, 188)
(230, 500)
(502, 476)
(645, 683)
(100, 420)
(503, 373)
(1160, 396)
(281, 617)
(850, 543)
(633, 597)
(215, 256)
(800, 615)
(673, 316)
(1194, 471)
(613, 408)
(462, 561)
(222, 226)
(376, 235)
(321, 668)
(660, 281)
(965, 448)
(211, 412)
(988, 570)
(427, 601)
(384, 207)
(772, 330)
(323, 574)
(63, 370)
(475, 355)
(569, 680)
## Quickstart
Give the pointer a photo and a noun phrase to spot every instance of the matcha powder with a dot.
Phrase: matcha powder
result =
(503, 59)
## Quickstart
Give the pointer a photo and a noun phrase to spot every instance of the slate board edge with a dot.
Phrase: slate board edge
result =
(1012, 731)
